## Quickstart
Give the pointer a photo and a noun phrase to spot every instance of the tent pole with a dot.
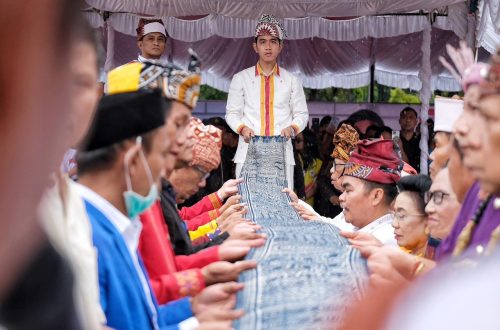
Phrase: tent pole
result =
(425, 76)
(110, 44)
(371, 94)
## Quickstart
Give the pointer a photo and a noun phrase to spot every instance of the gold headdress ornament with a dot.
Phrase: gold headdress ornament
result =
(345, 140)
(184, 85)
(177, 84)
(270, 25)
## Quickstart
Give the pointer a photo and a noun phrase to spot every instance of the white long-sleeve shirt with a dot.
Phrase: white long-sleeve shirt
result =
(380, 228)
(266, 104)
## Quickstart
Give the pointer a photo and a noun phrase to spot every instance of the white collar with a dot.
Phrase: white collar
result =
(129, 228)
(372, 226)
(161, 62)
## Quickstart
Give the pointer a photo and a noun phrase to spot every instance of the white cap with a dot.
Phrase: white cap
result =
(154, 27)
(446, 113)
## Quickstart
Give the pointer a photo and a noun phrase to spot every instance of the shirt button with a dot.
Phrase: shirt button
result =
(479, 249)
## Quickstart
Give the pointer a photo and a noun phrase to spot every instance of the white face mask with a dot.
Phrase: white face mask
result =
(135, 203)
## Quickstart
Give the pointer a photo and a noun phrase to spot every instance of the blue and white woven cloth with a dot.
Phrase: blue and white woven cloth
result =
(307, 273)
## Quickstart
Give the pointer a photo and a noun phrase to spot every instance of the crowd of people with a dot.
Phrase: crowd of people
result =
(312, 149)
(142, 226)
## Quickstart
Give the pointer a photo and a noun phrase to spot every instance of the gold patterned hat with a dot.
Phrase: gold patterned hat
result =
(184, 85)
(375, 161)
(269, 25)
(207, 145)
(177, 84)
(344, 141)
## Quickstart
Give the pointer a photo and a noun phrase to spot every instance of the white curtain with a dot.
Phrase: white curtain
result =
(253, 9)
(494, 13)
(322, 52)
(319, 63)
(296, 28)
(455, 21)
(488, 27)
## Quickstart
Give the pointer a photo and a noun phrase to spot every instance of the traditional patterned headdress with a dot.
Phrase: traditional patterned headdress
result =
(177, 84)
(268, 25)
(147, 26)
(344, 141)
(375, 161)
(464, 68)
(474, 75)
(207, 145)
(184, 85)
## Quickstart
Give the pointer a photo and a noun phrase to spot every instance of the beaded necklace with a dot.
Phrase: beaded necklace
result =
(466, 234)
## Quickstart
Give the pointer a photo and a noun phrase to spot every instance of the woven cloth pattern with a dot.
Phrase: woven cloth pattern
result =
(307, 273)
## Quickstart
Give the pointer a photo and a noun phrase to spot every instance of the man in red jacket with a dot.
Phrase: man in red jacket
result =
(207, 216)
(174, 276)
(184, 180)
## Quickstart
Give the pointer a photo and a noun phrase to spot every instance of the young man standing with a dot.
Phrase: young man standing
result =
(151, 40)
(265, 99)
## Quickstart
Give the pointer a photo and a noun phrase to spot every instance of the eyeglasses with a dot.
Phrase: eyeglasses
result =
(436, 197)
(402, 216)
(203, 175)
(337, 166)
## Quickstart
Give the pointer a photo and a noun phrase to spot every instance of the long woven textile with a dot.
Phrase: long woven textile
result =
(307, 273)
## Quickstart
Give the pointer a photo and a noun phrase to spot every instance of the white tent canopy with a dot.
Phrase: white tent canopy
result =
(488, 27)
(323, 63)
(253, 9)
(323, 52)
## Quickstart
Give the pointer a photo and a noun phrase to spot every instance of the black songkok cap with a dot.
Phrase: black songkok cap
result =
(126, 115)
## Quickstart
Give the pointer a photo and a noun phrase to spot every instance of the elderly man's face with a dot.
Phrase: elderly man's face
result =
(461, 179)
(336, 173)
(187, 181)
(440, 154)
(442, 207)
(470, 132)
(489, 107)
(177, 132)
